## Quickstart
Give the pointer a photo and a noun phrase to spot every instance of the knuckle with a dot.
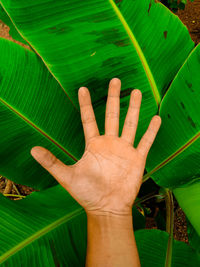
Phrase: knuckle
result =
(86, 108)
(112, 96)
(151, 130)
(143, 152)
(85, 105)
(133, 107)
(50, 160)
(147, 140)
(112, 115)
(130, 124)
(88, 120)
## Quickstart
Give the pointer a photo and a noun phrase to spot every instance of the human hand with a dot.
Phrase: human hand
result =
(108, 176)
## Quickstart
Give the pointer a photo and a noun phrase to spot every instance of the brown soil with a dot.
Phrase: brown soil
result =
(180, 226)
(22, 189)
(191, 18)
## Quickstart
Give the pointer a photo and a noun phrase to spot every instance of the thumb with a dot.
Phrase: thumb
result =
(61, 172)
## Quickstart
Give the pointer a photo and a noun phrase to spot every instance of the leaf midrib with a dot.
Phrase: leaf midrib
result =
(40, 233)
(139, 52)
(30, 123)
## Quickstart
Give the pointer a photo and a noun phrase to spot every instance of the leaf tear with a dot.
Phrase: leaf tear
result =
(188, 84)
(191, 122)
(182, 105)
(149, 7)
(165, 34)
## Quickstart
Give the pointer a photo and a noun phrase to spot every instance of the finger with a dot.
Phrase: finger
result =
(131, 121)
(149, 136)
(87, 114)
(61, 172)
(113, 108)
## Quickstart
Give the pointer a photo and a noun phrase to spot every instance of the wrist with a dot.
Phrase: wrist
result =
(111, 240)
(108, 213)
(110, 220)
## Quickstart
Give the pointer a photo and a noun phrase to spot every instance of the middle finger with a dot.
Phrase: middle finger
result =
(113, 108)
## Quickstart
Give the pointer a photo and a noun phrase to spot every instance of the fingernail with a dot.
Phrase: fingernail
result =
(115, 81)
(158, 118)
(137, 92)
(83, 91)
(36, 150)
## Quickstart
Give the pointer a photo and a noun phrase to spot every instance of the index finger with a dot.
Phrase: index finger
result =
(87, 114)
(149, 136)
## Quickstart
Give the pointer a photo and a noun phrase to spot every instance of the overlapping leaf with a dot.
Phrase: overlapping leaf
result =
(174, 159)
(89, 42)
(34, 110)
(48, 228)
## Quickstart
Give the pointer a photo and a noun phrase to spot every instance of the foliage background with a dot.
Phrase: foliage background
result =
(191, 18)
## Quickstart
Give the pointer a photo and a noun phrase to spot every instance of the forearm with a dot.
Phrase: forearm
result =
(111, 241)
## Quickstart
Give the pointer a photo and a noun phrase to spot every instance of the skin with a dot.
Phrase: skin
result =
(106, 180)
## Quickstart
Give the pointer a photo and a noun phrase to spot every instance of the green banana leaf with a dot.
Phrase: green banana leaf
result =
(152, 247)
(47, 228)
(188, 198)
(13, 32)
(73, 146)
(194, 238)
(88, 43)
(174, 158)
(34, 110)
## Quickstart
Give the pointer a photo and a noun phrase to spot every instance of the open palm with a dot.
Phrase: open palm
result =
(108, 176)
